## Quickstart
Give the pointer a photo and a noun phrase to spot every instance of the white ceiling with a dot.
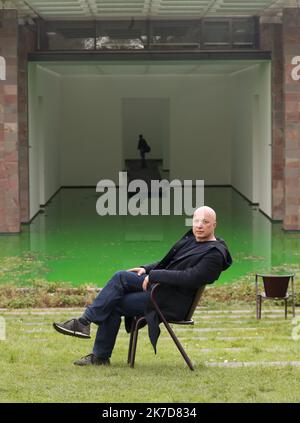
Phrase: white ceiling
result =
(172, 68)
(99, 9)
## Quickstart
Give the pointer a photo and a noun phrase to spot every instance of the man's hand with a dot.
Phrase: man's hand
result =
(139, 270)
(145, 283)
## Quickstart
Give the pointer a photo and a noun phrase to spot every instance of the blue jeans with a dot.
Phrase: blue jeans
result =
(123, 295)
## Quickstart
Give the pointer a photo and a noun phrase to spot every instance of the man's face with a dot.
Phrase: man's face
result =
(204, 225)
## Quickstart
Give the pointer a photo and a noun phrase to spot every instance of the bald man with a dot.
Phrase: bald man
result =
(197, 259)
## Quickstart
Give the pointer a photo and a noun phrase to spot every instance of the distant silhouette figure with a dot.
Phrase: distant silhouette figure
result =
(144, 148)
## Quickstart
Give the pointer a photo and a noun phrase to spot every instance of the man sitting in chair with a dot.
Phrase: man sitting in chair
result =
(198, 258)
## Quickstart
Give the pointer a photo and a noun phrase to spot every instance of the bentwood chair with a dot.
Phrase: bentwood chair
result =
(275, 287)
(140, 321)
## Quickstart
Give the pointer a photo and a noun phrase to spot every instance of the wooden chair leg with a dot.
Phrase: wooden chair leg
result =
(178, 344)
(131, 339)
(173, 336)
(134, 340)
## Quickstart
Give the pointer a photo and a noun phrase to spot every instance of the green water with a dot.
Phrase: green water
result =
(71, 243)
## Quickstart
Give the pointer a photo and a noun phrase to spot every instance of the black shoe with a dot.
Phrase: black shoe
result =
(91, 359)
(73, 327)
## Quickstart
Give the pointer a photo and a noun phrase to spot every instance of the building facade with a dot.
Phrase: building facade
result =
(21, 42)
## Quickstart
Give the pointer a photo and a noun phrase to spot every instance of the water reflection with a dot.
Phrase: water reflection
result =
(69, 242)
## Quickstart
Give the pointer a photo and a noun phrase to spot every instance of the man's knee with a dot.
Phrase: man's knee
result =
(126, 279)
(121, 274)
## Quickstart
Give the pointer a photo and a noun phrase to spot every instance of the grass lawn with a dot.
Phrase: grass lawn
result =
(227, 344)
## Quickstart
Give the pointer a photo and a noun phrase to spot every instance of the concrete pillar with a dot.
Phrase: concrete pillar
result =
(271, 39)
(291, 49)
(9, 154)
(27, 39)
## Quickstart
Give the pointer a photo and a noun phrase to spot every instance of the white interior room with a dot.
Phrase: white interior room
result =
(207, 120)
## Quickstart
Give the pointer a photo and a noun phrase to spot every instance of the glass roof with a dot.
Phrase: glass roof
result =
(101, 9)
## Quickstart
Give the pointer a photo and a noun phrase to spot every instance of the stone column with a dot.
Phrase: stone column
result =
(291, 48)
(9, 157)
(27, 39)
(271, 39)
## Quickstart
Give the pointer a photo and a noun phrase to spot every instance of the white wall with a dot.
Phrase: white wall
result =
(49, 92)
(44, 135)
(264, 152)
(92, 129)
(251, 134)
(218, 127)
(200, 131)
(34, 186)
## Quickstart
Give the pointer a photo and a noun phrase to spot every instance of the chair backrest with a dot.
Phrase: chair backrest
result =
(276, 286)
(195, 303)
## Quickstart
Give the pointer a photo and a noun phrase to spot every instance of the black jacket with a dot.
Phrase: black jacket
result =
(181, 278)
